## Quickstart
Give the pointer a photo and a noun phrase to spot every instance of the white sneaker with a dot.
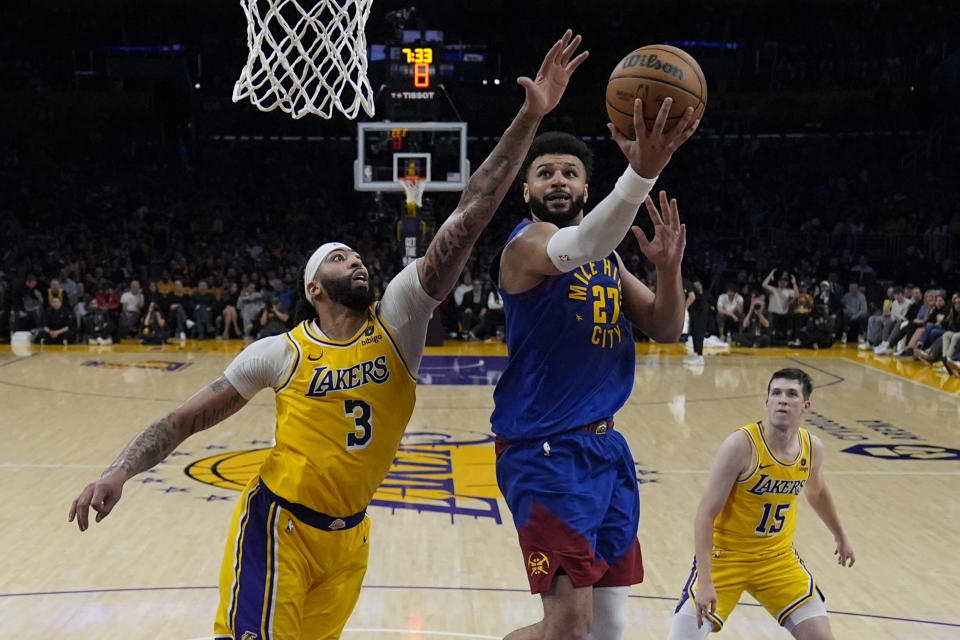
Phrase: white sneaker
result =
(694, 360)
(190, 323)
(883, 349)
(863, 346)
(183, 336)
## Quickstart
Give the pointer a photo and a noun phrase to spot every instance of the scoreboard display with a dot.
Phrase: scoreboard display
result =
(414, 68)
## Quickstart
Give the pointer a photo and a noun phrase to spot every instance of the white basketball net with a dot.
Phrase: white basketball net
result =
(304, 61)
(413, 187)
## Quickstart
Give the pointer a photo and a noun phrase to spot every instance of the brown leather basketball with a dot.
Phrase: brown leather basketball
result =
(653, 73)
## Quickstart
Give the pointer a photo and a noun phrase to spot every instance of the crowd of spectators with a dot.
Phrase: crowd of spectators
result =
(123, 222)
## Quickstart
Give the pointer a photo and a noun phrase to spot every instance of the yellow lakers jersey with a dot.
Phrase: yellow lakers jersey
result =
(340, 415)
(760, 515)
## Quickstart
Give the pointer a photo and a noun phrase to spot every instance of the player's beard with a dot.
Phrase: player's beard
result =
(342, 291)
(539, 208)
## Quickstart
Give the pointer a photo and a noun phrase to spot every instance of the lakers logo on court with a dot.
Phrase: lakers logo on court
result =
(538, 564)
(431, 472)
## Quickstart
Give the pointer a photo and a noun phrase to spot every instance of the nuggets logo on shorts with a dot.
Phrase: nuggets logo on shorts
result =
(539, 564)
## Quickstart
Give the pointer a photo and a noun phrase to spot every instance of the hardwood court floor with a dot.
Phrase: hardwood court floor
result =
(445, 563)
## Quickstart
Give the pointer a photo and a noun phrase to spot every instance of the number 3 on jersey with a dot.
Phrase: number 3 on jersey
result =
(361, 413)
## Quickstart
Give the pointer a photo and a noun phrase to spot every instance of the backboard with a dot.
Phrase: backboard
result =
(388, 150)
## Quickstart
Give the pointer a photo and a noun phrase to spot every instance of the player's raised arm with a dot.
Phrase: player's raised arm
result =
(444, 259)
(212, 404)
(820, 498)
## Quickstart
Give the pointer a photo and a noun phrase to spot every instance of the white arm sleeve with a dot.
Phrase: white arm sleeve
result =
(603, 228)
(406, 308)
(265, 363)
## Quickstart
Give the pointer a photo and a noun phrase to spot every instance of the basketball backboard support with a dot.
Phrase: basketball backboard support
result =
(386, 151)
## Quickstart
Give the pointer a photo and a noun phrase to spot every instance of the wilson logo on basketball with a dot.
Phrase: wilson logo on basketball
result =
(651, 61)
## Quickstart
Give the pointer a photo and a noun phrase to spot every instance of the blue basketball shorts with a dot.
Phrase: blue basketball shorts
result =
(576, 506)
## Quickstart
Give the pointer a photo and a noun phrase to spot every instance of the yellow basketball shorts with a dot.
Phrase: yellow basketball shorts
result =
(780, 583)
(284, 579)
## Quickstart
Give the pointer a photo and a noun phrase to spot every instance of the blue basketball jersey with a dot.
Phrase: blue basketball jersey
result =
(571, 352)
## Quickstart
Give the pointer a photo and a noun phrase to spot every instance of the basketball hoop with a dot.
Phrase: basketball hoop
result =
(413, 187)
(306, 61)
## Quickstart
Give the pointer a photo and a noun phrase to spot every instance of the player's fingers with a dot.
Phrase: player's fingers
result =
(652, 210)
(569, 48)
(106, 505)
(573, 64)
(618, 137)
(662, 116)
(82, 507)
(551, 55)
(641, 237)
(674, 214)
(665, 212)
(688, 132)
(639, 126)
(685, 120)
(525, 82)
(73, 511)
(683, 235)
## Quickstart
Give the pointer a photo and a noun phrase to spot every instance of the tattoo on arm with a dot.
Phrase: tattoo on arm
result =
(158, 440)
(448, 252)
(206, 419)
(151, 445)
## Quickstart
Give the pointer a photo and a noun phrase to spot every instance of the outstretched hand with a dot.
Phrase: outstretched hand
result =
(101, 495)
(665, 250)
(650, 151)
(544, 92)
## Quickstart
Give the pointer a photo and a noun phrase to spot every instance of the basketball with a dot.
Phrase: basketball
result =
(653, 73)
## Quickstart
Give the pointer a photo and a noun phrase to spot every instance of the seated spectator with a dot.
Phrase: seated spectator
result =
(273, 321)
(882, 325)
(250, 304)
(204, 306)
(801, 309)
(755, 328)
(472, 309)
(932, 328)
(154, 329)
(131, 306)
(942, 346)
(915, 322)
(228, 312)
(109, 300)
(179, 308)
(729, 310)
(26, 306)
(495, 320)
(97, 323)
(853, 322)
(58, 323)
(56, 291)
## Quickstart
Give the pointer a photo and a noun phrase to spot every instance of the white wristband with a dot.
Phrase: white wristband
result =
(633, 187)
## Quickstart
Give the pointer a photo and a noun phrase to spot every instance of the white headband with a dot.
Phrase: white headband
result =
(314, 262)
